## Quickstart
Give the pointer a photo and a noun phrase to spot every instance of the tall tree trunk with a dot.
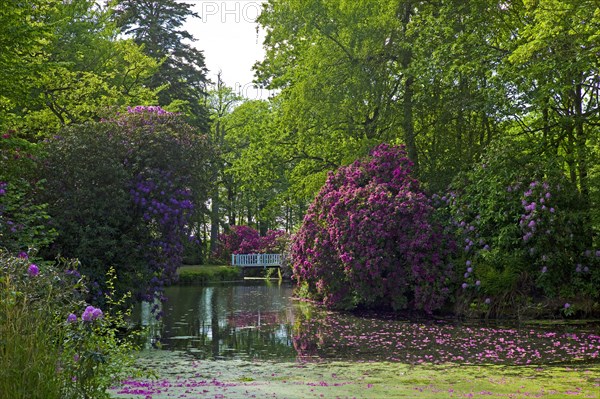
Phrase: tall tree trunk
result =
(582, 161)
(232, 210)
(405, 13)
(570, 152)
(214, 221)
(408, 124)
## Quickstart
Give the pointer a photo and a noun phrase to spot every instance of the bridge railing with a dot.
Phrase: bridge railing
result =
(256, 260)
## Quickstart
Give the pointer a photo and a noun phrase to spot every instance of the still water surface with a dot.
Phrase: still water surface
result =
(249, 320)
(258, 320)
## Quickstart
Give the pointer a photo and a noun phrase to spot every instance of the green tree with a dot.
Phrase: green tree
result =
(257, 143)
(337, 66)
(221, 101)
(69, 66)
(182, 73)
(461, 103)
(554, 65)
(355, 74)
(23, 34)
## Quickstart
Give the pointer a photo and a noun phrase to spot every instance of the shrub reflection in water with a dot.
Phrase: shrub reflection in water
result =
(260, 320)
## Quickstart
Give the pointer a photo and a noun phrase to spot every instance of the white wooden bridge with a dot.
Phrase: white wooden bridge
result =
(256, 260)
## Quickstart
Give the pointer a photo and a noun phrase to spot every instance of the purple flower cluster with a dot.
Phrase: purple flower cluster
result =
(534, 228)
(548, 233)
(89, 314)
(466, 228)
(33, 270)
(368, 239)
(142, 115)
(165, 209)
(539, 212)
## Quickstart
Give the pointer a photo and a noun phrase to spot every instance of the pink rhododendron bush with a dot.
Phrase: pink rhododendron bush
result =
(369, 239)
(247, 240)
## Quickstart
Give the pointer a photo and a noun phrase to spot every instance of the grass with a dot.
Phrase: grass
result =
(199, 274)
(28, 346)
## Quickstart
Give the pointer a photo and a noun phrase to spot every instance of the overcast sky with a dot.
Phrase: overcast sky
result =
(227, 34)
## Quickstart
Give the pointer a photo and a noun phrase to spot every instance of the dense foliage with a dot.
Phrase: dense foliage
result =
(122, 193)
(499, 99)
(524, 235)
(23, 221)
(369, 240)
(63, 62)
(446, 78)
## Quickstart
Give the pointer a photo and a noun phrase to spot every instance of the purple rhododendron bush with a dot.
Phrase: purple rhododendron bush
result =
(126, 192)
(369, 239)
(527, 242)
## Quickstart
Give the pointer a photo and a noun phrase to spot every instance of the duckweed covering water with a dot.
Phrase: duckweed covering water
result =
(184, 377)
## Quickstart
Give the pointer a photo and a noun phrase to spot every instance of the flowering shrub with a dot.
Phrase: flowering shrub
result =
(520, 223)
(124, 192)
(45, 351)
(94, 356)
(368, 239)
(239, 240)
(246, 240)
(165, 206)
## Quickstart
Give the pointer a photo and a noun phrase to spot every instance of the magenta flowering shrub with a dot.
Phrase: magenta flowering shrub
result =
(125, 192)
(275, 242)
(239, 240)
(523, 234)
(369, 240)
(246, 240)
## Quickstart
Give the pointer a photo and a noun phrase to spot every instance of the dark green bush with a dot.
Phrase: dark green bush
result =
(123, 193)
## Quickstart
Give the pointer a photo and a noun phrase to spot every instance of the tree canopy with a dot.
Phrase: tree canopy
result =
(63, 64)
(157, 27)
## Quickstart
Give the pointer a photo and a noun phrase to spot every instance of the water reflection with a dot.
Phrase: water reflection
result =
(250, 321)
(259, 320)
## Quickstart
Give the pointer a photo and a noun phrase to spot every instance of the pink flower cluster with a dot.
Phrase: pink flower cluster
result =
(141, 109)
(368, 239)
(246, 240)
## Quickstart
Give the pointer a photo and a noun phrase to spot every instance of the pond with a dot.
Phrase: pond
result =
(249, 320)
(260, 320)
